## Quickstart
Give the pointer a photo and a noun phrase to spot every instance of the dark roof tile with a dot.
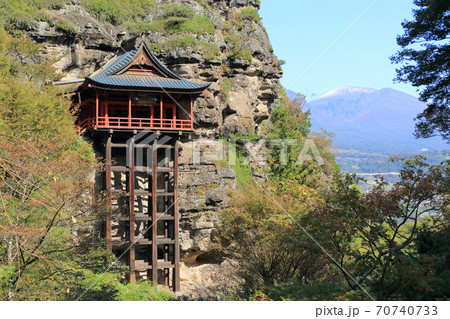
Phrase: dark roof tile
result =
(112, 74)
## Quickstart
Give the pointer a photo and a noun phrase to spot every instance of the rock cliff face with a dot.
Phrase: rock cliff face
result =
(245, 81)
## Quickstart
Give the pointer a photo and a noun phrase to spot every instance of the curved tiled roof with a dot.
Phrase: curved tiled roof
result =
(113, 76)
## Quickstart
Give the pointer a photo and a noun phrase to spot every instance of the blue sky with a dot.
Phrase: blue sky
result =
(301, 30)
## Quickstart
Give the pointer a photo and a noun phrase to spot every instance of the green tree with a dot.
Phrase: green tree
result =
(374, 234)
(46, 173)
(265, 242)
(428, 66)
(290, 125)
(433, 249)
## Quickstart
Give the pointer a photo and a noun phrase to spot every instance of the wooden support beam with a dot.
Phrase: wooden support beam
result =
(166, 222)
(129, 109)
(161, 110)
(174, 116)
(176, 270)
(152, 115)
(166, 274)
(132, 251)
(142, 193)
(139, 169)
(145, 217)
(106, 113)
(192, 113)
(154, 211)
(140, 145)
(108, 189)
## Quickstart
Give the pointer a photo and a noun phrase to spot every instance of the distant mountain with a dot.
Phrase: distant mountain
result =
(368, 119)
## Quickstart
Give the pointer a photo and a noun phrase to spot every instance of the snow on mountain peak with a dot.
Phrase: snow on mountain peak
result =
(346, 91)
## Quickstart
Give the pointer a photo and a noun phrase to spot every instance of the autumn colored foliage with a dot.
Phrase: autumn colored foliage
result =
(310, 233)
(46, 174)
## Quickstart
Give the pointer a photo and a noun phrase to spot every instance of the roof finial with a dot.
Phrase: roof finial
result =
(121, 36)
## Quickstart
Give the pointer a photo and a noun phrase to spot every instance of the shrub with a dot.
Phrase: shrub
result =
(263, 240)
(143, 291)
(240, 54)
(182, 20)
(178, 10)
(118, 11)
(226, 87)
(199, 25)
(108, 287)
(249, 13)
(114, 11)
(66, 28)
(18, 11)
(210, 51)
(236, 40)
(106, 10)
(244, 173)
(294, 291)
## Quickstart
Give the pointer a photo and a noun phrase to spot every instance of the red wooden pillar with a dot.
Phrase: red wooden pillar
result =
(106, 113)
(129, 109)
(91, 115)
(96, 108)
(152, 115)
(161, 107)
(101, 120)
(192, 113)
(174, 116)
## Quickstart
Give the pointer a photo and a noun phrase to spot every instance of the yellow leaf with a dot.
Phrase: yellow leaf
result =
(74, 220)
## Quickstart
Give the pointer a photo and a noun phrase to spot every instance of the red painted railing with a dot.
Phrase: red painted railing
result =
(135, 123)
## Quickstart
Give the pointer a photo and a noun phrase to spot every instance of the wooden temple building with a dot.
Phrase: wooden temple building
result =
(134, 110)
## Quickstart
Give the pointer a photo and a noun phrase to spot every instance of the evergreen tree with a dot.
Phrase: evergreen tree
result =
(428, 66)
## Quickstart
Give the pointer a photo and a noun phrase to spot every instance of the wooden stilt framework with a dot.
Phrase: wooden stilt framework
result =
(131, 182)
(151, 193)
(154, 227)
(109, 190)
(176, 272)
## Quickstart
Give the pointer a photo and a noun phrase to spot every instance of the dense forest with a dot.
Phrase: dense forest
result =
(307, 232)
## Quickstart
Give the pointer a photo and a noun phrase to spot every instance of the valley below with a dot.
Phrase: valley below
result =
(372, 126)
